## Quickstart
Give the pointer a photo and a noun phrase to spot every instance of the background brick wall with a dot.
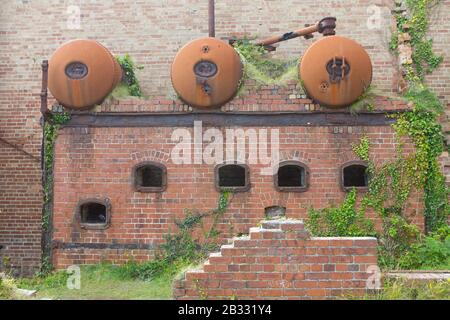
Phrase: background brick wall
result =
(151, 32)
(279, 260)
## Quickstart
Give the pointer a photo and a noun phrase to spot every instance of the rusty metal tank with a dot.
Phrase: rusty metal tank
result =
(206, 73)
(335, 71)
(82, 73)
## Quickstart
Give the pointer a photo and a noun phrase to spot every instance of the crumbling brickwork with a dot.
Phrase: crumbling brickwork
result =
(279, 260)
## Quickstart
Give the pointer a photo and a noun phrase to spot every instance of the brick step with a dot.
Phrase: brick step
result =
(280, 259)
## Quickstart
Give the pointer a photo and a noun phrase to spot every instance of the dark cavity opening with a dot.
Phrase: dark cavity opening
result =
(149, 176)
(291, 176)
(274, 212)
(355, 176)
(93, 212)
(232, 176)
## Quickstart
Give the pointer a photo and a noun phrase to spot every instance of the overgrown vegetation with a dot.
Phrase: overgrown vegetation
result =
(262, 69)
(366, 102)
(391, 184)
(148, 280)
(129, 85)
(421, 123)
(416, 25)
(6, 289)
(401, 289)
(431, 252)
(421, 170)
(183, 248)
(101, 281)
(344, 220)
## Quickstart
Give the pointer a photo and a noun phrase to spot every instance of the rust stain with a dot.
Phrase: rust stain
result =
(206, 73)
(335, 71)
(82, 73)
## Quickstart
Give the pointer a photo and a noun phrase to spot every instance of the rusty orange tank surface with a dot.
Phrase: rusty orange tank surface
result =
(206, 73)
(335, 71)
(82, 73)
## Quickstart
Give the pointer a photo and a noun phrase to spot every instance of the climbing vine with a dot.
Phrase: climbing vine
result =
(416, 25)
(183, 247)
(345, 220)
(50, 134)
(421, 123)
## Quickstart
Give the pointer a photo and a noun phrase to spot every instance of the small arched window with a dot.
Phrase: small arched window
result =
(94, 213)
(292, 176)
(150, 177)
(354, 175)
(233, 177)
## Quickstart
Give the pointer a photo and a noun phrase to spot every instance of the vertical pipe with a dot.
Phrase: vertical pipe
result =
(212, 19)
(44, 108)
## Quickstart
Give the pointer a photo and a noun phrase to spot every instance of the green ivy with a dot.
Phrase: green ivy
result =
(431, 252)
(390, 187)
(50, 134)
(424, 59)
(362, 149)
(182, 248)
(421, 123)
(344, 220)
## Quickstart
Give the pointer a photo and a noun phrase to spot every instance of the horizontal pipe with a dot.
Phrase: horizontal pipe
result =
(291, 35)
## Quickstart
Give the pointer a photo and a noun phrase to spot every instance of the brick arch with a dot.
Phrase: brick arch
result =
(150, 155)
(346, 156)
(296, 155)
(273, 198)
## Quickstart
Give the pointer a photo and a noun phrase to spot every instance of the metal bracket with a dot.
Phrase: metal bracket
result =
(326, 26)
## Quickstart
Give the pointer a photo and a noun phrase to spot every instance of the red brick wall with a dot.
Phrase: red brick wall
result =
(98, 162)
(20, 181)
(280, 260)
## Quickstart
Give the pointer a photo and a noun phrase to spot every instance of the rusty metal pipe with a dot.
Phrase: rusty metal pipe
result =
(212, 19)
(290, 35)
(325, 26)
(44, 108)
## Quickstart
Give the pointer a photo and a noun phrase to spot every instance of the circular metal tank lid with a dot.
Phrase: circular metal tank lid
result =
(206, 73)
(82, 73)
(335, 71)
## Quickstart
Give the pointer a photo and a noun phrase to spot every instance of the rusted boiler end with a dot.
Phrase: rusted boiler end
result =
(335, 71)
(82, 73)
(206, 73)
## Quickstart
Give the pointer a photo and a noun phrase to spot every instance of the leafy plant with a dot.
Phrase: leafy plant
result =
(396, 238)
(424, 59)
(341, 221)
(422, 125)
(130, 84)
(432, 252)
(6, 289)
(181, 249)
